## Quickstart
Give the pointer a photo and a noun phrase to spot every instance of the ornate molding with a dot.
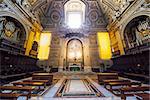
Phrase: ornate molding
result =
(135, 7)
(53, 17)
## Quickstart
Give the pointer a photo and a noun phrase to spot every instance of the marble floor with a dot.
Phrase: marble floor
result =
(76, 85)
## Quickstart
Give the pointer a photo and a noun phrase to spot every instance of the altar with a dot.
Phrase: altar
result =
(75, 67)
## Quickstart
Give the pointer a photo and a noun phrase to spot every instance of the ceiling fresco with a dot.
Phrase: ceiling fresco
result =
(52, 15)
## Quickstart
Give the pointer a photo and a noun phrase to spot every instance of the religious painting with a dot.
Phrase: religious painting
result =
(74, 51)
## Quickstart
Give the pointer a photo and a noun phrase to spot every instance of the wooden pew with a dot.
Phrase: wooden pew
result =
(106, 82)
(44, 81)
(18, 88)
(123, 90)
(9, 96)
(142, 96)
(29, 84)
(106, 76)
(123, 83)
(43, 76)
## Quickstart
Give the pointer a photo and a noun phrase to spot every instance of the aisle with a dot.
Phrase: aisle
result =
(77, 86)
(76, 89)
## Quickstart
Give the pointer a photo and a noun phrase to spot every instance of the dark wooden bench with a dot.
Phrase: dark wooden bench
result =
(44, 81)
(106, 82)
(142, 96)
(142, 78)
(43, 76)
(18, 88)
(106, 76)
(123, 83)
(29, 84)
(9, 96)
(133, 89)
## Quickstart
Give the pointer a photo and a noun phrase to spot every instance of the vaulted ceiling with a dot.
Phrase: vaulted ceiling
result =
(52, 15)
(98, 14)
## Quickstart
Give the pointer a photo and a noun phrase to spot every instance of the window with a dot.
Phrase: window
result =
(74, 13)
(74, 19)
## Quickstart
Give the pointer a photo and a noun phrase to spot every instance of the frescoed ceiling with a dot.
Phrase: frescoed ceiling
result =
(52, 15)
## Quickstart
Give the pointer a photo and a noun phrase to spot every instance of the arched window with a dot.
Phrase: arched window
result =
(74, 13)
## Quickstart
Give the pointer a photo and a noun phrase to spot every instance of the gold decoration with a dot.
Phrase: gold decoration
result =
(8, 33)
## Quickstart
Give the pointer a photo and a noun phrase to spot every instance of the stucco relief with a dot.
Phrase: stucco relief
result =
(55, 40)
(11, 29)
(137, 31)
(54, 14)
(93, 39)
(115, 7)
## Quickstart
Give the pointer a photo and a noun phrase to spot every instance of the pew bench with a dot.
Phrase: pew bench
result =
(143, 78)
(106, 76)
(9, 96)
(43, 81)
(43, 76)
(38, 84)
(18, 88)
(142, 96)
(123, 83)
(127, 90)
(106, 82)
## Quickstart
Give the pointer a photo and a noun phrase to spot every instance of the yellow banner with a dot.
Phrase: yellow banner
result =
(104, 45)
(44, 46)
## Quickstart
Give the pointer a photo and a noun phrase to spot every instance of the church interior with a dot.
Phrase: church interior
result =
(74, 49)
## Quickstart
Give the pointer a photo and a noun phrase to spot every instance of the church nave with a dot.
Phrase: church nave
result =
(74, 49)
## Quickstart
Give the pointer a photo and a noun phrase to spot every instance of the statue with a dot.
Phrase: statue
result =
(138, 37)
(15, 36)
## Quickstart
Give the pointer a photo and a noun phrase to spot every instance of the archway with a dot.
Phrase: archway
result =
(74, 55)
(12, 29)
(136, 32)
(19, 19)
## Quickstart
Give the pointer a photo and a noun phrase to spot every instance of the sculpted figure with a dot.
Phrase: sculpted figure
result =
(138, 37)
(15, 36)
(9, 29)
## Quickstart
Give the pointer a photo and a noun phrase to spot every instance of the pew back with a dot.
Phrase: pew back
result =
(106, 76)
(43, 76)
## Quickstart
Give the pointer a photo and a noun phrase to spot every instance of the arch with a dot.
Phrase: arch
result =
(136, 31)
(10, 14)
(82, 56)
(146, 13)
